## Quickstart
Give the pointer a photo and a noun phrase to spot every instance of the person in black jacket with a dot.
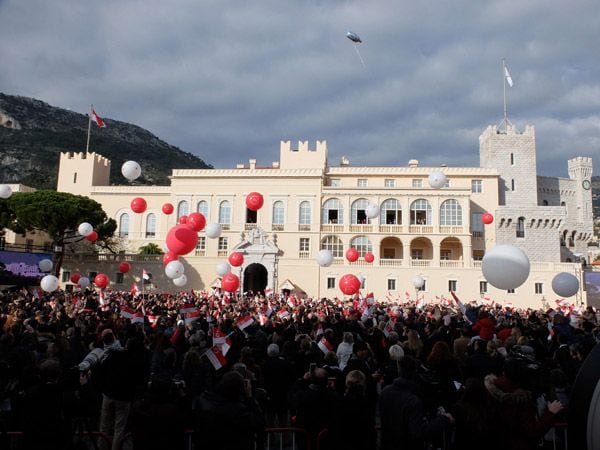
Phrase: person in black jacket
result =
(403, 423)
(278, 377)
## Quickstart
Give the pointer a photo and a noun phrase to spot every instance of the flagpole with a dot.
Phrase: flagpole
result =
(87, 146)
(504, 94)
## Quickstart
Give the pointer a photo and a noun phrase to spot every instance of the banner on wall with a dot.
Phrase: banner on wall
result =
(18, 268)
(592, 287)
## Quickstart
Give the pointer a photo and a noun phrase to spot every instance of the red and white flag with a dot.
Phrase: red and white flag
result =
(153, 321)
(135, 292)
(268, 291)
(325, 345)
(216, 357)
(191, 317)
(145, 275)
(137, 317)
(127, 313)
(244, 322)
(187, 308)
(319, 330)
(283, 313)
(218, 336)
(389, 327)
(96, 118)
(370, 298)
(268, 309)
(225, 346)
(262, 319)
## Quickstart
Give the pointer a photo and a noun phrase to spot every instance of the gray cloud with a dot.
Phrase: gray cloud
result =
(229, 80)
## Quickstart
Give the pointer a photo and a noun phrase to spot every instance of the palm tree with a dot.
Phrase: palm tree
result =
(150, 249)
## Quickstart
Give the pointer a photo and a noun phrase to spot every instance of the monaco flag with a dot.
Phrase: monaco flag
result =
(187, 308)
(137, 317)
(96, 118)
(127, 313)
(244, 322)
(218, 336)
(325, 345)
(135, 290)
(191, 317)
(216, 357)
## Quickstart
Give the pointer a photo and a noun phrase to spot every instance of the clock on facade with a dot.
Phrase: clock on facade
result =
(586, 184)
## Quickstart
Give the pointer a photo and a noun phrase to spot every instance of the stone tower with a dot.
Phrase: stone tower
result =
(78, 172)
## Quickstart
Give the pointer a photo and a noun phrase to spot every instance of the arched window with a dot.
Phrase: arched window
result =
(124, 225)
(521, 227)
(451, 213)
(420, 212)
(304, 214)
(362, 244)
(333, 211)
(391, 212)
(203, 208)
(224, 212)
(182, 209)
(278, 213)
(359, 212)
(151, 225)
(333, 244)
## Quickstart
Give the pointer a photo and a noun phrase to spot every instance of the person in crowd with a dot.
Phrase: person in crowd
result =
(413, 345)
(344, 350)
(278, 379)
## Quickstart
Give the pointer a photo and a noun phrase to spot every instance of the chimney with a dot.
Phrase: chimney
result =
(413, 163)
(239, 166)
(252, 163)
(344, 162)
(275, 165)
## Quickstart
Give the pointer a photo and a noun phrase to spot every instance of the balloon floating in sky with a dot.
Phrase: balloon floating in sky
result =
(372, 210)
(49, 283)
(437, 180)
(45, 265)
(5, 191)
(565, 284)
(487, 218)
(180, 281)
(167, 208)
(505, 267)
(131, 170)
(418, 282)
(138, 205)
(349, 284)
(324, 258)
(355, 38)
(85, 229)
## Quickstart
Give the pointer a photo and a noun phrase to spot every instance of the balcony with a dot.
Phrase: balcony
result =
(451, 229)
(355, 228)
(420, 263)
(222, 253)
(248, 226)
(304, 255)
(451, 263)
(277, 227)
(420, 229)
(390, 262)
(332, 228)
(200, 253)
(225, 226)
(303, 227)
(338, 261)
(395, 229)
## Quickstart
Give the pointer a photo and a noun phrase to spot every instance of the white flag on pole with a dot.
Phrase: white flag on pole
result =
(509, 79)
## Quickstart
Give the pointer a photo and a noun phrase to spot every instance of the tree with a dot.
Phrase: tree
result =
(150, 249)
(58, 214)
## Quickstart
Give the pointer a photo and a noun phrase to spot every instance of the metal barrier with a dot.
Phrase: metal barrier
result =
(291, 438)
(15, 436)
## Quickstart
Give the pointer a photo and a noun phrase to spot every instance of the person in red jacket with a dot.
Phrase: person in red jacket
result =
(485, 326)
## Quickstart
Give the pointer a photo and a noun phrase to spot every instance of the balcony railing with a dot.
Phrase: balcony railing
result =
(451, 263)
(354, 228)
(420, 229)
(331, 228)
(200, 253)
(225, 226)
(390, 262)
(249, 226)
(451, 229)
(304, 255)
(391, 229)
(303, 227)
(222, 252)
(477, 234)
(420, 262)
(277, 227)
(338, 261)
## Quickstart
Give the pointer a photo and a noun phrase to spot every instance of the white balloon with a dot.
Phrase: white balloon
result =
(85, 229)
(131, 170)
(174, 269)
(180, 281)
(418, 281)
(437, 180)
(49, 283)
(505, 267)
(45, 265)
(324, 258)
(5, 191)
(223, 268)
(565, 284)
(213, 230)
(84, 282)
(372, 210)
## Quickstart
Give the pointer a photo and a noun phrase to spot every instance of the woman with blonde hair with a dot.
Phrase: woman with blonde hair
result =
(413, 345)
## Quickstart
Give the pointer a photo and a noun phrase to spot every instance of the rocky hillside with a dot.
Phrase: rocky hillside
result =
(33, 133)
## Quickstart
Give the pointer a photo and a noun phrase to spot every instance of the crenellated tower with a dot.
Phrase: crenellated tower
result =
(78, 172)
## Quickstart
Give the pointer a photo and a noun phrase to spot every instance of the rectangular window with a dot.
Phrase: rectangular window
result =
(477, 186)
(510, 291)
(66, 276)
(389, 183)
(452, 284)
(201, 245)
(476, 225)
(335, 182)
(417, 183)
(304, 244)
(119, 277)
(445, 255)
(539, 288)
(75, 177)
(330, 283)
(483, 287)
(361, 183)
(391, 284)
(512, 184)
(29, 245)
(223, 244)
(416, 253)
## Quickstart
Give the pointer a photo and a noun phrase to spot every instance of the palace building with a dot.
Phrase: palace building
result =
(311, 204)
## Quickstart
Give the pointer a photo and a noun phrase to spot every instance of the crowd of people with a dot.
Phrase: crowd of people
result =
(358, 373)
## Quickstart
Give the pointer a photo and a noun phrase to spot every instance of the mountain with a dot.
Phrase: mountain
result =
(33, 133)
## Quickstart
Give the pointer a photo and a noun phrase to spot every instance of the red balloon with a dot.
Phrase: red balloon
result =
(181, 239)
(369, 257)
(92, 237)
(196, 221)
(236, 259)
(254, 201)
(349, 284)
(168, 257)
(101, 281)
(138, 205)
(230, 282)
(124, 267)
(75, 277)
(351, 254)
(183, 220)
(168, 208)
(487, 218)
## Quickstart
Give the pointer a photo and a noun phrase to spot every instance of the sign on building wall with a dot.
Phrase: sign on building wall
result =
(592, 286)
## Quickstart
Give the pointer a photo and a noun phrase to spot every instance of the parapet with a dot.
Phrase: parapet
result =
(80, 156)
(303, 156)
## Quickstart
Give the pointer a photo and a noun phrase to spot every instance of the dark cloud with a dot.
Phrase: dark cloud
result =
(229, 80)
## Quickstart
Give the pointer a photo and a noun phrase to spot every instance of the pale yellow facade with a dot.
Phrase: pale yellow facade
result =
(310, 204)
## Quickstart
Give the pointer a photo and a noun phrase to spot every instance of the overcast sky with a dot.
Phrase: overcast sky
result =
(228, 79)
